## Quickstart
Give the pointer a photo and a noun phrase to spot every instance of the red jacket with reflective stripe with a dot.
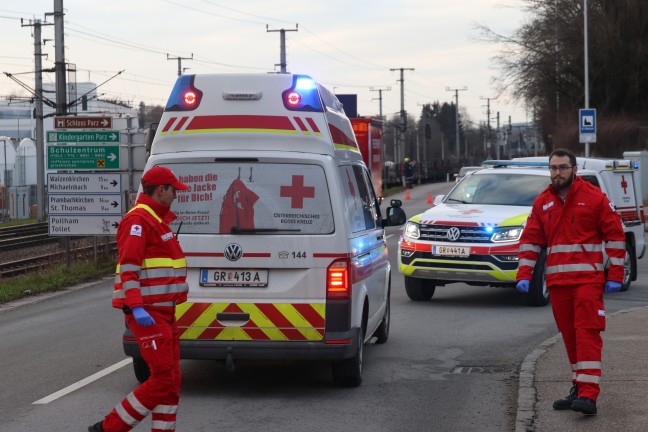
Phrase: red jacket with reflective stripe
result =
(151, 267)
(574, 233)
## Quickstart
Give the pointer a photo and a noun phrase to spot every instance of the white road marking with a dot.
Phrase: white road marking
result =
(85, 381)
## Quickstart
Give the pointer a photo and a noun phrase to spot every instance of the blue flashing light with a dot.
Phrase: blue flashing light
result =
(489, 229)
(304, 83)
(636, 165)
(184, 96)
(302, 95)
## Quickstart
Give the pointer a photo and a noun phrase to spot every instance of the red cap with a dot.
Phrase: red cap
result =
(159, 175)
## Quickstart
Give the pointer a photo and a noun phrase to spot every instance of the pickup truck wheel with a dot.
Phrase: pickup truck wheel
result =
(538, 293)
(382, 332)
(142, 371)
(348, 372)
(419, 289)
(629, 267)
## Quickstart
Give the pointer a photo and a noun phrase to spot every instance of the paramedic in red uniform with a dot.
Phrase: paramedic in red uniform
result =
(149, 282)
(574, 220)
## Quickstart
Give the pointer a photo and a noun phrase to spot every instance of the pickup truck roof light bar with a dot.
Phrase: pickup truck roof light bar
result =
(511, 163)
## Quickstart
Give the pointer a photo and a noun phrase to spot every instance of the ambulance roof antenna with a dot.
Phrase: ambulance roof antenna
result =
(251, 179)
(239, 176)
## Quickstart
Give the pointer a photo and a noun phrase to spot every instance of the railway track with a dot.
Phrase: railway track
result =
(29, 248)
(37, 262)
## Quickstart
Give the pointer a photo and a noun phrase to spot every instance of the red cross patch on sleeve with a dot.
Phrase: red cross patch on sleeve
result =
(136, 230)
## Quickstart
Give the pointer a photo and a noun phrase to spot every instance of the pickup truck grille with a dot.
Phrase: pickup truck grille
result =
(469, 234)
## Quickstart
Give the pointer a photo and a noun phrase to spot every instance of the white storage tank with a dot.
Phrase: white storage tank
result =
(25, 168)
(7, 158)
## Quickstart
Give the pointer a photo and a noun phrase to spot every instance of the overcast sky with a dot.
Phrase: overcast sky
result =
(348, 45)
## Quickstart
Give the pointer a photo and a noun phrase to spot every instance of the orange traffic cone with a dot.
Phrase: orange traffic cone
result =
(429, 200)
(407, 195)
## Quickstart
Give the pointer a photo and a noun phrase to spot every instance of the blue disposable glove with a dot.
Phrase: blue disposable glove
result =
(142, 317)
(612, 286)
(523, 286)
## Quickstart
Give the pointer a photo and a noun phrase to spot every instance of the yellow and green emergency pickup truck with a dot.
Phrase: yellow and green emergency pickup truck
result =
(472, 234)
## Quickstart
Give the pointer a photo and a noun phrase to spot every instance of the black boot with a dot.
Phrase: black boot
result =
(566, 402)
(97, 427)
(585, 405)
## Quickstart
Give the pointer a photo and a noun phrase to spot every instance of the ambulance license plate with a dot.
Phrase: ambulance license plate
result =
(215, 277)
(455, 251)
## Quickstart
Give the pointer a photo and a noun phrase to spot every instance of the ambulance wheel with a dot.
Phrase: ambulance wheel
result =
(538, 293)
(382, 332)
(142, 371)
(629, 268)
(418, 289)
(348, 372)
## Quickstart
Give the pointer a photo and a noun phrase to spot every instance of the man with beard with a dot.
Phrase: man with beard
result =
(574, 220)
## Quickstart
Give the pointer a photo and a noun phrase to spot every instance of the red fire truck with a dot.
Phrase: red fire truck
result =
(368, 132)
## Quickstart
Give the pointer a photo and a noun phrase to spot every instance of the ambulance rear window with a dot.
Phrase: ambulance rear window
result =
(592, 179)
(252, 198)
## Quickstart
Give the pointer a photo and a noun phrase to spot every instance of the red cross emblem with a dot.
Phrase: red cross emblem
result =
(297, 192)
(624, 184)
(469, 211)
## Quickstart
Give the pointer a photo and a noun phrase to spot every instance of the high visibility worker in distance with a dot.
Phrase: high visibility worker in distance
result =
(149, 282)
(574, 221)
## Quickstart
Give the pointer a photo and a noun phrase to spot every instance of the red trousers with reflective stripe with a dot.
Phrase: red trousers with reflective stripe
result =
(580, 317)
(159, 346)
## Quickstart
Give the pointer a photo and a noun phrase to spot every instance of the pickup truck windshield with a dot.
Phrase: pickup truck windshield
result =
(499, 189)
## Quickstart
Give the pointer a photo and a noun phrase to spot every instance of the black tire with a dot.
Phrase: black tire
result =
(419, 289)
(538, 293)
(629, 267)
(142, 371)
(348, 372)
(382, 332)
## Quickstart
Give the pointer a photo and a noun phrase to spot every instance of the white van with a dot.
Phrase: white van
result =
(281, 227)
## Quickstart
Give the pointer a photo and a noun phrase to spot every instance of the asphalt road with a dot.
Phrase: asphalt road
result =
(451, 364)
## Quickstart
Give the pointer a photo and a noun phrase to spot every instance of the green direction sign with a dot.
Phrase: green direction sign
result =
(83, 137)
(82, 157)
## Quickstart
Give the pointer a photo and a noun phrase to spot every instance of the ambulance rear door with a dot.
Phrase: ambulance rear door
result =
(259, 232)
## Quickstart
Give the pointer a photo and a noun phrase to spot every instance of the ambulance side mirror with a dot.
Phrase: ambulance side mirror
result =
(395, 214)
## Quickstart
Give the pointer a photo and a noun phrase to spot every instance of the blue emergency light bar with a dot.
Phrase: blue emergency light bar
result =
(513, 163)
(184, 96)
(302, 95)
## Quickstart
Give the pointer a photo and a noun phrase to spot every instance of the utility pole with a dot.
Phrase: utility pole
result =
(59, 59)
(169, 57)
(457, 90)
(380, 90)
(488, 142)
(499, 137)
(403, 113)
(282, 54)
(38, 114)
(586, 56)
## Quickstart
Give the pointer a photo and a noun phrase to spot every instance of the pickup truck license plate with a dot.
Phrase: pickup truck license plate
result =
(455, 251)
(215, 277)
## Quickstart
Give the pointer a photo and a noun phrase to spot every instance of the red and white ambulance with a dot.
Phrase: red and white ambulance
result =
(281, 226)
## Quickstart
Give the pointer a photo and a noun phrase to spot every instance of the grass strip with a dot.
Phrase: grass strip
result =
(54, 279)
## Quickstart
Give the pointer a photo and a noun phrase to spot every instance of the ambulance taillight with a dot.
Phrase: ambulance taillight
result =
(338, 280)
(184, 96)
(302, 95)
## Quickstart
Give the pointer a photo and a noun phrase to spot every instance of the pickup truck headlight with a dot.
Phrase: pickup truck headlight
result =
(412, 230)
(507, 235)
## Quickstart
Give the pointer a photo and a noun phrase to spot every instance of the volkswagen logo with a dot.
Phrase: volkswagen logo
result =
(233, 251)
(453, 234)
